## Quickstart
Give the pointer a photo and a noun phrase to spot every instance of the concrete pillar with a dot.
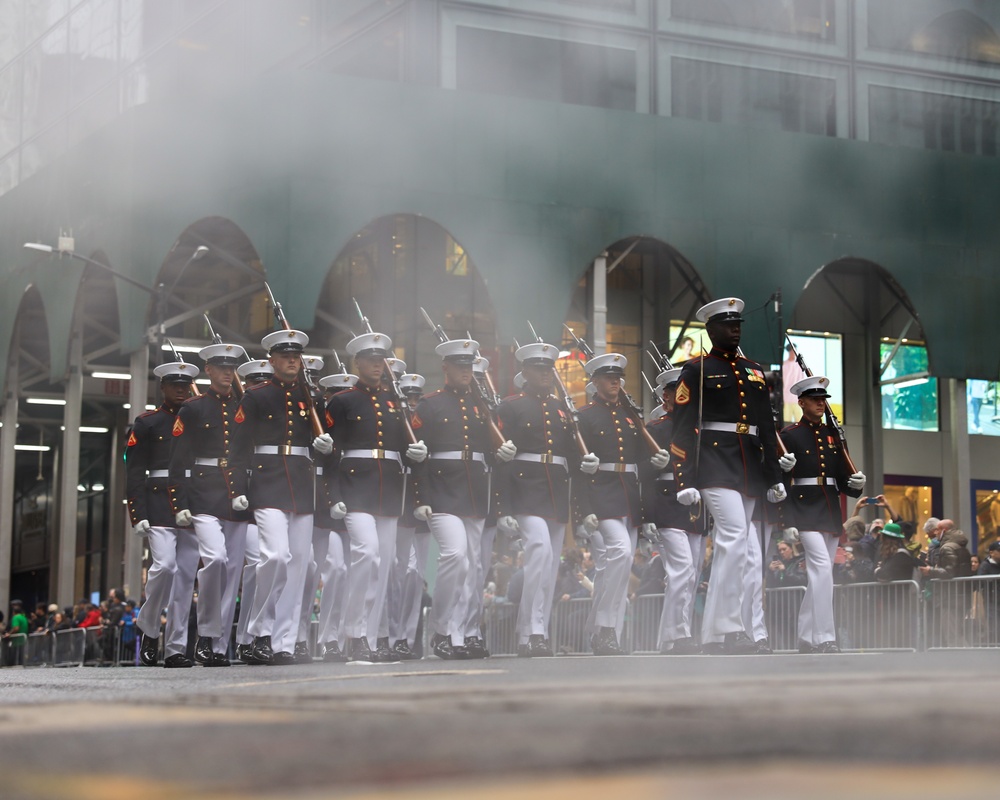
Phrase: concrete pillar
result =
(650, 281)
(132, 555)
(8, 436)
(69, 476)
(874, 462)
(957, 482)
(599, 301)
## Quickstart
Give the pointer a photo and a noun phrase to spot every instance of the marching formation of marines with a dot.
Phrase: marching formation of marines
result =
(275, 483)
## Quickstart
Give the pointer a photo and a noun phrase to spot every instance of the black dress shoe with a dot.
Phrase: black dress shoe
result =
(523, 651)
(302, 653)
(203, 651)
(476, 647)
(244, 652)
(358, 652)
(605, 643)
(539, 646)
(219, 660)
(763, 647)
(177, 661)
(714, 648)
(827, 647)
(402, 649)
(805, 648)
(383, 653)
(459, 652)
(261, 650)
(149, 651)
(681, 647)
(283, 659)
(332, 654)
(441, 646)
(739, 644)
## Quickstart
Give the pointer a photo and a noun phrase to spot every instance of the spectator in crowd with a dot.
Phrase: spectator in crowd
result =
(896, 563)
(975, 564)
(787, 568)
(949, 603)
(990, 592)
(15, 634)
(39, 617)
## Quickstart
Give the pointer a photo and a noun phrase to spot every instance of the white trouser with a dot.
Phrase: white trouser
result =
(396, 599)
(452, 536)
(468, 613)
(221, 543)
(285, 540)
(373, 541)
(413, 588)
(543, 542)
(619, 546)
(816, 624)
(170, 585)
(682, 554)
(598, 555)
(333, 573)
(733, 515)
(251, 555)
(317, 558)
(752, 611)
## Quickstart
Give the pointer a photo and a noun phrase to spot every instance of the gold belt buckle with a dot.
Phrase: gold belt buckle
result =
(223, 462)
(742, 427)
(378, 453)
(466, 455)
(545, 458)
(284, 449)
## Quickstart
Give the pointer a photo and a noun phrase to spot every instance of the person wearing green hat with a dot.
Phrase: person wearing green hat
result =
(896, 562)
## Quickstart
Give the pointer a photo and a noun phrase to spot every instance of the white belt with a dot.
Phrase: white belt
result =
(665, 476)
(158, 473)
(542, 458)
(458, 455)
(212, 462)
(281, 450)
(814, 481)
(730, 427)
(373, 453)
(617, 468)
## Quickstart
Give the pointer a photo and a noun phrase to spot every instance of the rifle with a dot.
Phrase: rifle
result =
(661, 361)
(493, 398)
(217, 339)
(279, 316)
(647, 437)
(482, 400)
(195, 391)
(831, 418)
(400, 397)
(341, 368)
(564, 396)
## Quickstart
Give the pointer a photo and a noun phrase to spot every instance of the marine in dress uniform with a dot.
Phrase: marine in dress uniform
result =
(252, 373)
(453, 490)
(333, 571)
(200, 478)
(368, 427)
(533, 492)
(174, 551)
(735, 463)
(406, 579)
(273, 475)
(816, 474)
(680, 540)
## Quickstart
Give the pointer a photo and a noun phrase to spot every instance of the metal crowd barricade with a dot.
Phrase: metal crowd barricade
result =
(500, 623)
(38, 650)
(644, 624)
(69, 647)
(878, 616)
(12, 650)
(568, 626)
(781, 615)
(963, 612)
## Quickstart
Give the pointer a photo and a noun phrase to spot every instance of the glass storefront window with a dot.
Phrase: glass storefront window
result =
(915, 499)
(812, 19)
(758, 98)
(823, 354)
(983, 398)
(986, 497)
(909, 394)
(935, 28)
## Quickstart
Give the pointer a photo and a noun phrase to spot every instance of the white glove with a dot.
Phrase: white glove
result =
(649, 531)
(645, 548)
(688, 497)
(323, 444)
(423, 513)
(589, 464)
(787, 462)
(141, 528)
(338, 511)
(241, 503)
(776, 493)
(509, 524)
(507, 451)
(582, 534)
(183, 518)
(857, 481)
(660, 459)
(590, 523)
(417, 452)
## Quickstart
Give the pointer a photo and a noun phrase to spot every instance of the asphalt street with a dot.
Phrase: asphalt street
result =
(886, 725)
